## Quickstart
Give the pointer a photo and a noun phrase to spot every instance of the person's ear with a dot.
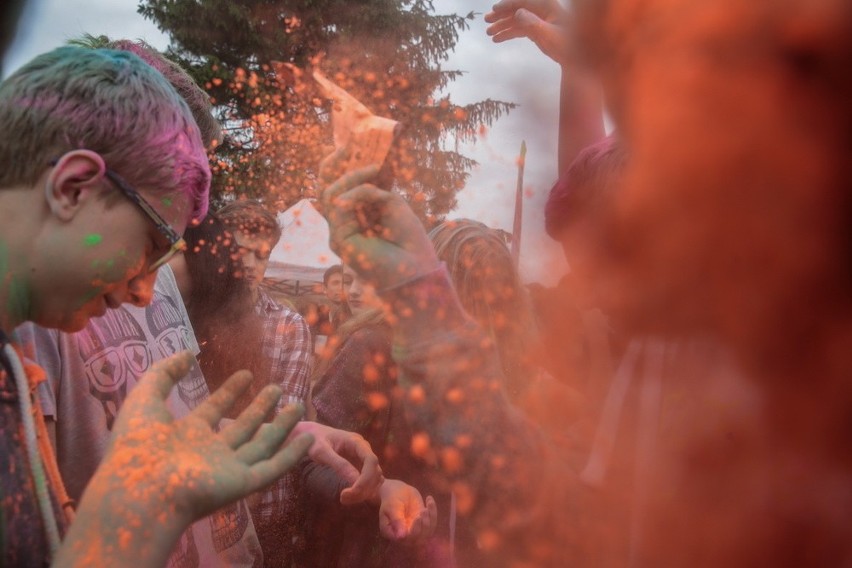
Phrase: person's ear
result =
(75, 177)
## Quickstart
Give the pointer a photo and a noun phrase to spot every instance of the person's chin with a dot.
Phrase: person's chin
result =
(81, 317)
(72, 324)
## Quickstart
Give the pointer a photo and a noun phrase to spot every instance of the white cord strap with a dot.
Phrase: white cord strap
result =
(31, 443)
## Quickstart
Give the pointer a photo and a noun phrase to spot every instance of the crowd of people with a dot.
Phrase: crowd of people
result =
(680, 398)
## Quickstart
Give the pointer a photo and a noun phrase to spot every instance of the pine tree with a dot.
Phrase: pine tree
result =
(388, 54)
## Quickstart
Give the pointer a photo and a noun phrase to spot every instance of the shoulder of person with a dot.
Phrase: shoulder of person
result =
(373, 335)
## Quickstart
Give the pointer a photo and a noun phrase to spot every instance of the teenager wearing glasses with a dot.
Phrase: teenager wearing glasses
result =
(84, 132)
(112, 352)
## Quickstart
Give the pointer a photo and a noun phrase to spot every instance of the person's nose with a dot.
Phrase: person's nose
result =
(355, 290)
(249, 262)
(140, 289)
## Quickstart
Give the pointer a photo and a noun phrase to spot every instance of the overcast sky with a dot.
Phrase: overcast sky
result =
(515, 71)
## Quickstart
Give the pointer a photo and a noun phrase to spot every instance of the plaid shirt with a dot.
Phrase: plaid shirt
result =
(286, 348)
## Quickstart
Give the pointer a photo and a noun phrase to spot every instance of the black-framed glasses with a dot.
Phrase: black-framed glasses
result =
(176, 242)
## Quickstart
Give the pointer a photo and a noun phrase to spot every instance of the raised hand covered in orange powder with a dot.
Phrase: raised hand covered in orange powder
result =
(373, 230)
(161, 474)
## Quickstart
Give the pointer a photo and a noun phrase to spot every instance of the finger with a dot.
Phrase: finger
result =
(270, 436)
(366, 485)
(343, 221)
(523, 24)
(217, 404)
(332, 166)
(336, 164)
(164, 374)
(266, 471)
(347, 205)
(346, 218)
(341, 231)
(392, 522)
(324, 454)
(347, 182)
(501, 26)
(509, 35)
(501, 9)
(243, 428)
(385, 525)
(431, 517)
(491, 17)
(153, 388)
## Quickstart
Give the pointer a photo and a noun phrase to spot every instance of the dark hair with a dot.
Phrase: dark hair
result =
(213, 263)
(251, 218)
(585, 186)
(221, 308)
(490, 290)
(331, 271)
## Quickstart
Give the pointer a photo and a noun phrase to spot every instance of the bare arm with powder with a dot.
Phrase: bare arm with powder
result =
(546, 23)
(161, 474)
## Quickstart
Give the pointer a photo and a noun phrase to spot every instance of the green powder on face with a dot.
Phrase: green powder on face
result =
(109, 263)
(167, 201)
(17, 307)
(93, 293)
(92, 240)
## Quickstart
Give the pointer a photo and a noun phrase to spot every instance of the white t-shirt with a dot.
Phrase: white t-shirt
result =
(89, 375)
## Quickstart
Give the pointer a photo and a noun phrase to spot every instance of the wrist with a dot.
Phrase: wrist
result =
(382, 493)
(404, 281)
(120, 528)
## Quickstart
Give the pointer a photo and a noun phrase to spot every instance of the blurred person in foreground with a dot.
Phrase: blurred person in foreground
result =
(733, 224)
(638, 385)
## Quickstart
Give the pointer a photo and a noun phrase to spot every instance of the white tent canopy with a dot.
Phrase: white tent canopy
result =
(303, 252)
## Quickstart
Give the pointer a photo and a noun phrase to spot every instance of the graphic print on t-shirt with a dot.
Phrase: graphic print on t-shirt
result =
(113, 352)
(165, 323)
(228, 525)
(185, 554)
